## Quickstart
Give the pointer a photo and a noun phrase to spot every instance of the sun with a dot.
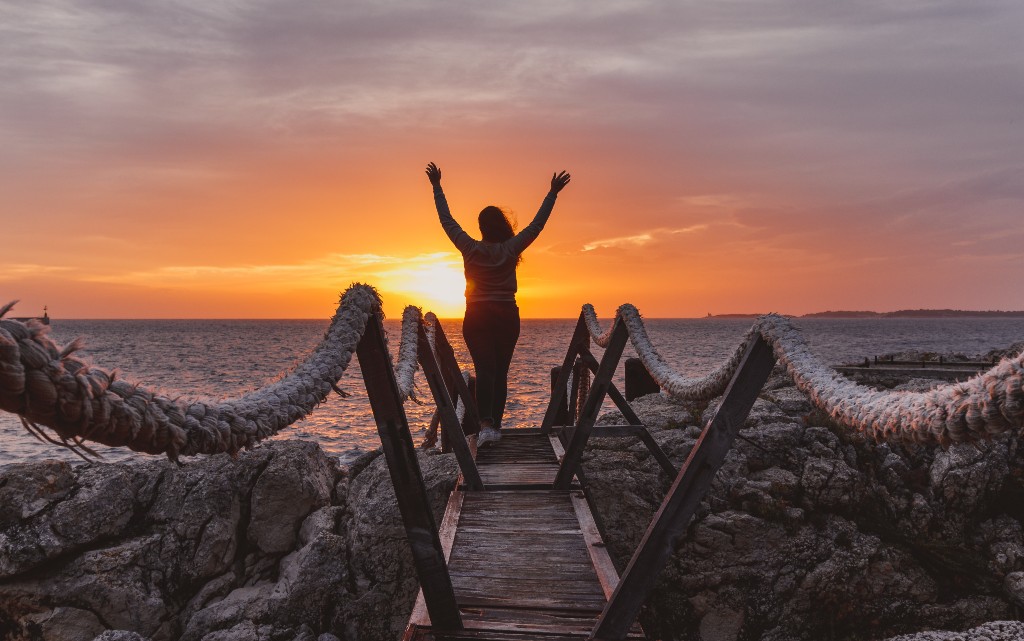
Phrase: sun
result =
(437, 287)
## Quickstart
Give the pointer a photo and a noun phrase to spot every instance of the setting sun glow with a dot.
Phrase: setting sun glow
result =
(438, 288)
(726, 157)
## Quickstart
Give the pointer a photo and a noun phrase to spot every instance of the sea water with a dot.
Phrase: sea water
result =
(215, 359)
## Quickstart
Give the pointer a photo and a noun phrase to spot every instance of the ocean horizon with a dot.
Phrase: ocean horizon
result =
(221, 358)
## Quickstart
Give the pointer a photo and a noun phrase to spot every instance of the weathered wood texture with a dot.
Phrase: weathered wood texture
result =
(526, 563)
(562, 414)
(446, 408)
(627, 412)
(413, 504)
(692, 483)
(452, 375)
(639, 381)
(580, 340)
(599, 389)
(519, 461)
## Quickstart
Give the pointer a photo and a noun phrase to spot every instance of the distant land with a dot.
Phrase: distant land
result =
(903, 313)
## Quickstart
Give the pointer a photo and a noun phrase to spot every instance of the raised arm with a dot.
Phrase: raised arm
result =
(459, 238)
(524, 238)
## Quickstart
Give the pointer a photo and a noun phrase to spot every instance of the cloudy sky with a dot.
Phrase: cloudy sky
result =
(251, 159)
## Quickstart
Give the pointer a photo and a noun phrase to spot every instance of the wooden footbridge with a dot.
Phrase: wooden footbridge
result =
(518, 554)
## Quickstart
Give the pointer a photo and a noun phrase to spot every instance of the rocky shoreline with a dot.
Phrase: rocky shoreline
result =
(808, 533)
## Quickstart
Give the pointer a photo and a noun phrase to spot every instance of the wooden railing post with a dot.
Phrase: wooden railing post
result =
(450, 370)
(598, 390)
(692, 483)
(580, 337)
(449, 419)
(396, 441)
(562, 417)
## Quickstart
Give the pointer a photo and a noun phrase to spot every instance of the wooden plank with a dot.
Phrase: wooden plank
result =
(532, 620)
(598, 390)
(484, 584)
(691, 484)
(491, 635)
(540, 622)
(413, 504)
(520, 431)
(602, 561)
(521, 473)
(449, 419)
(556, 447)
(580, 337)
(541, 600)
(449, 525)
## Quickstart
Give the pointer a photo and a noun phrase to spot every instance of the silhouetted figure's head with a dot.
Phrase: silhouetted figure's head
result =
(494, 225)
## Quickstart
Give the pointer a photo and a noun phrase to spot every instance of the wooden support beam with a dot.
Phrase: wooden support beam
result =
(449, 419)
(450, 368)
(449, 524)
(613, 392)
(598, 390)
(413, 504)
(562, 416)
(617, 431)
(639, 381)
(580, 337)
(670, 522)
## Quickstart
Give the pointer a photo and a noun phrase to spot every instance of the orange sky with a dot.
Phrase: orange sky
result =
(250, 162)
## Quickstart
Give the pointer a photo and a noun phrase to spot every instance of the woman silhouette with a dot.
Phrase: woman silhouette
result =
(491, 326)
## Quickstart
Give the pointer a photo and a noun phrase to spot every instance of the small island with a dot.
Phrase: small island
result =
(902, 313)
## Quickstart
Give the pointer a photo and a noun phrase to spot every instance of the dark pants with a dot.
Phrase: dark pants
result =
(491, 330)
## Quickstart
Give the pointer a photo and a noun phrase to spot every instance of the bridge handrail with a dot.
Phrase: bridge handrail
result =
(987, 404)
(47, 385)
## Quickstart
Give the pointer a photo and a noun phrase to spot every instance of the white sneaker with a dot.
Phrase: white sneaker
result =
(487, 436)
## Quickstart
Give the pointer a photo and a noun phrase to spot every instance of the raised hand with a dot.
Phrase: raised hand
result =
(433, 174)
(558, 181)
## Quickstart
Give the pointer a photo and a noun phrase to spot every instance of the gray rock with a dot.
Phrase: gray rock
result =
(26, 489)
(120, 635)
(993, 631)
(808, 532)
(811, 532)
(285, 493)
(65, 624)
(168, 552)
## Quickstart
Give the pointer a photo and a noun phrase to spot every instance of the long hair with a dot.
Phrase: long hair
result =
(495, 227)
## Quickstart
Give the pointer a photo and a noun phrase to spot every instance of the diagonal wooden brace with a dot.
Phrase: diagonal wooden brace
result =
(580, 338)
(413, 504)
(691, 485)
(449, 419)
(598, 390)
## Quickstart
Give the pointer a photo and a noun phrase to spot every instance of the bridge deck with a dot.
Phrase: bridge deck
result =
(526, 561)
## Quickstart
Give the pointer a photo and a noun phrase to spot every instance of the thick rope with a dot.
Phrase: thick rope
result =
(408, 352)
(979, 408)
(48, 386)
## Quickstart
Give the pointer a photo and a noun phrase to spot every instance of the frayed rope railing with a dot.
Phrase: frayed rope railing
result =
(48, 387)
(977, 409)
